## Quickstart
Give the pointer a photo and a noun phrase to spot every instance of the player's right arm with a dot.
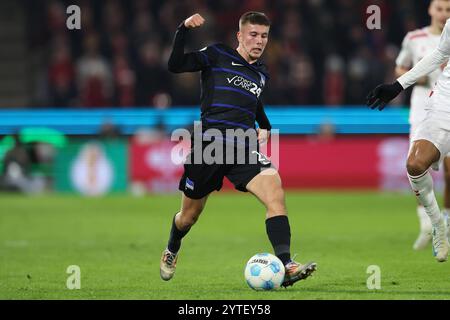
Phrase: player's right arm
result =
(431, 62)
(383, 94)
(179, 61)
(399, 71)
(404, 60)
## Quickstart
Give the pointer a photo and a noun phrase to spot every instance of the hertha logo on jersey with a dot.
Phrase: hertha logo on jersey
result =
(189, 184)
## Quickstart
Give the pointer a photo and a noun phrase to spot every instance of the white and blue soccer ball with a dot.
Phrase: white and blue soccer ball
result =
(264, 271)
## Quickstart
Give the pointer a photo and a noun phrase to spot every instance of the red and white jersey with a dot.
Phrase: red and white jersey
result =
(416, 45)
(440, 99)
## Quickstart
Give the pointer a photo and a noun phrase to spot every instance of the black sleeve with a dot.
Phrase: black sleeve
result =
(186, 62)
(261, 117)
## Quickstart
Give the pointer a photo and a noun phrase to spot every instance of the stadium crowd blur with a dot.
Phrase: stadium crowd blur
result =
(319, 52)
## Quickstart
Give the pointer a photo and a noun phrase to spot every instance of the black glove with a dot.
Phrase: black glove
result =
(379, 97)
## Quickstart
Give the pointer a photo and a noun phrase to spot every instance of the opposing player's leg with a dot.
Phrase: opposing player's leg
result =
(446, 211)
(181, 224)
(424, 237)
(422, 155)
(266, 186)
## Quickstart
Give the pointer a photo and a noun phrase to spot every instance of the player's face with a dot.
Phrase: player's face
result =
(253, 39)
(439, 11)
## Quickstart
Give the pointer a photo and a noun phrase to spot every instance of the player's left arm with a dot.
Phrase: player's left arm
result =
(263, 123)
(179, 61)
(404, 59)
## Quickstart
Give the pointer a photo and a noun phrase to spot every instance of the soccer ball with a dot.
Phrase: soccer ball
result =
(264, 271)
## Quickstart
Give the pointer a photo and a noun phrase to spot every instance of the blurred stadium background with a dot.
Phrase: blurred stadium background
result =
(95, 107)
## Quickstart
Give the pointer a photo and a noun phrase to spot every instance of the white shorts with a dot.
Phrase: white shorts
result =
(436, 129)
(420, 102)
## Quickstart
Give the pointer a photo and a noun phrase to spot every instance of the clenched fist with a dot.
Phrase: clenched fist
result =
(194, 21)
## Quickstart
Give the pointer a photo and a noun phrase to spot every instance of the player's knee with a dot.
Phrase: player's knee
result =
(187, 221)
(276, 201)
(190, 215)
(416, 166)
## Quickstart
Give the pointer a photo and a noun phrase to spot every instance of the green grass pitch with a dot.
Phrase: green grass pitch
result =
(117, 242)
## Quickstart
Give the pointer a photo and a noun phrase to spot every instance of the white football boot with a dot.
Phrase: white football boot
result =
(441, 245)
(167, 265)
(424, 238)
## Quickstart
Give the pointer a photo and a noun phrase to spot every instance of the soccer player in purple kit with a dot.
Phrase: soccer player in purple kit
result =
(232, 81)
